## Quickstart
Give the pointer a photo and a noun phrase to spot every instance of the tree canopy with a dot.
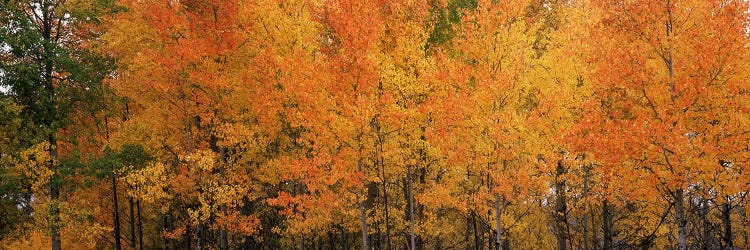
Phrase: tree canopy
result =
(374, 124)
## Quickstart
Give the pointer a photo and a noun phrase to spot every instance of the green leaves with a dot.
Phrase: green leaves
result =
(119, 162)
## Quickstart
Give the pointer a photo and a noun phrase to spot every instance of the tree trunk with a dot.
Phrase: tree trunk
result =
(561, 208)
(50, 119)
(679, 206)
(55, 214)
(467, 232)
(607, 224)
(131, 216)
(585, 219)
(381, 163)
(412, 241)
(707, 239)
(498, 223)
(681, 219)
(116, 214)
(187, 238)
(344, 237)
(362, 213)
(248, 243)
(199, 235)
(594, 231)
(223, 237)
(385, 206)
(726, 220)
(331, 240)
(477, 243)
(140, 225)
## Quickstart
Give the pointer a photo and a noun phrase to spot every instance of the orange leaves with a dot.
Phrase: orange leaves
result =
(174, 234)
(443, 196)
(321, 105)
(240, 224)
(661, 84)
(357, 25)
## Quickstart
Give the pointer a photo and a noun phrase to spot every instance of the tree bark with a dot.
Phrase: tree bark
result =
(726, 220)
(585, 219)
(561, 208)
(498, 223)
(362, 212)
(381, 163)
(54, 196)
(681, 219)
(607, 224)
(116, 214)
(140, 226)
(47, 15)
(223, 237)
(467, 232)
(167, 242)
(187, 238)
(385, 206)
(707, 239)
(412, 241)
(477, 242)
(199, 235)
(131, 216)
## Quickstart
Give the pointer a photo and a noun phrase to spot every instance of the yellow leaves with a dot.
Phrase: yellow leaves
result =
(307, 213)
(79, 228)
(240, 135)
(314, 100)
(200, 214)
(150, 183)
(284, 26)
(36, 163)
(201, 160)
(443, 196)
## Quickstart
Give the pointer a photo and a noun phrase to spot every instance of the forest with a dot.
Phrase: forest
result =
(374, 124)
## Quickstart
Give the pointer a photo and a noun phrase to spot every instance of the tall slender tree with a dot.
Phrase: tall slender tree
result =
(51, 68)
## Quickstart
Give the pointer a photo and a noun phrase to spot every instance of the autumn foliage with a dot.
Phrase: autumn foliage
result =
(374, 124)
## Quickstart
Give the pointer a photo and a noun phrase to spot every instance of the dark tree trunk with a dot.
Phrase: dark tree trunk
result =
(707, 239)
(561, 208)
(248, 243)
(726, 220)
(477, 242)
(467, 232)
(223, 237)
(187, 238)
(362, 212)
(385, 206)
(47, 16)
(681, 219)
(607, 224)
(585, 219)
(331, 240)
(55, 216)
(140, 225)
(412, 241)
(199, 235)
(131, 216)
(344, 242)
(116, 214)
